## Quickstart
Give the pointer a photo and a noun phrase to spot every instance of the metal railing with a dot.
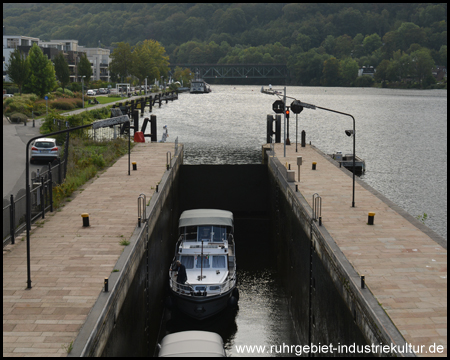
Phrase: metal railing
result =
(14, 210)
(189, 290)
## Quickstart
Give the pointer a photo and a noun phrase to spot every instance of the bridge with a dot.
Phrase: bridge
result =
(236, 71)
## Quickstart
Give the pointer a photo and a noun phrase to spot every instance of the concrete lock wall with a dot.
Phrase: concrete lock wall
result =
(125, 321)
(334, 311)
(325, 299)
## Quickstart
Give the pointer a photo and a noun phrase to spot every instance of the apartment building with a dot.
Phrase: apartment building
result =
(98, 57)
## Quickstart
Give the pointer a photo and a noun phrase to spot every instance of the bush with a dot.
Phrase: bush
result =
(364, 81)
(62, 104)
(18, 118)
(66, 91)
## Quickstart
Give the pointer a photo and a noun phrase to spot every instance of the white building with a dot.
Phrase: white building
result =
(10, 43)
(98, 57)
(367, 71)
(100, 60)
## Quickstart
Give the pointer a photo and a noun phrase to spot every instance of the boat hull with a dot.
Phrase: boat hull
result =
(201, 307)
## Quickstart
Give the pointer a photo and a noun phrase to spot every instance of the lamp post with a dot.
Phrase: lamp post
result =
(347, 132)
(297, 106)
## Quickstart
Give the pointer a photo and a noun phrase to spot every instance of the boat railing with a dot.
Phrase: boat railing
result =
(189, 290)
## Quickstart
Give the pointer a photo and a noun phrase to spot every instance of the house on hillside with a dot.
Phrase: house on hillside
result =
(439, 73)
(367, 71)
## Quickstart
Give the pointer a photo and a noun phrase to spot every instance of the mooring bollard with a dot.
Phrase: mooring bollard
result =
(85, 217)
(371, 217)
(106, 284)
(362, 281)
(314, 165)
(134, 165)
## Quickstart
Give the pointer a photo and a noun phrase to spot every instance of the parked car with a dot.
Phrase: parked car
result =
(91, 93)
(7, 96)
(44, 149)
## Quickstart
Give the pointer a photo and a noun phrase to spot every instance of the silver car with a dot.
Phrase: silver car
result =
(44, 149)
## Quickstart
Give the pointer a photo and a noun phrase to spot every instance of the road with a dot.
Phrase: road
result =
(15, 138)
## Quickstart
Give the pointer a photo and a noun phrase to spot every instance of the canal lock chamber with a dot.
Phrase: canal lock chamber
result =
(268, 235)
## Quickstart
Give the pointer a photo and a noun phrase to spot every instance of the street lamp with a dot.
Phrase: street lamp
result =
(298, 106)
(347, 132)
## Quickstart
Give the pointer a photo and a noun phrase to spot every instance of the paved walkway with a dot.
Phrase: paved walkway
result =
(69, 262)
(404, 268)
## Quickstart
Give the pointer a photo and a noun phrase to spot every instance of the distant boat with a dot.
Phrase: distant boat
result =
(199, 87)
(347, 162)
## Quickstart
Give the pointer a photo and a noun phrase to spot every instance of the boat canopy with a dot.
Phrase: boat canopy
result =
(192, 344)
(206, 217)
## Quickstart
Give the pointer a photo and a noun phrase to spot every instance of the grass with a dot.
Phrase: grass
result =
(86, 159)
(103, 100)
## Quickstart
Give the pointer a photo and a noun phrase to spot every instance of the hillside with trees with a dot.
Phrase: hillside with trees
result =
(322, 44)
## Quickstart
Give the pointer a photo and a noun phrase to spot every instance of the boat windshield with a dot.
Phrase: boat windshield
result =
(202, 261)
(187, 261)
(206, 233)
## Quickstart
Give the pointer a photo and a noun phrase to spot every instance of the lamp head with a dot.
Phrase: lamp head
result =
(349, 132)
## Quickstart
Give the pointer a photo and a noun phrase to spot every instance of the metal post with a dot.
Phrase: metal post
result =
(41, 192)
(11, 219)
(296, 132)
(284, 112)
(50, 189)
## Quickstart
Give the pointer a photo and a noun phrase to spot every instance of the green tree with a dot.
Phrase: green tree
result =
(349, 71)
(381, 73)
(84, 67)
(371, 43)
(331, 72)
(62, 70)
(422, 63)
(42, 77)
(17, 69)
(121, 60)
(149, 60)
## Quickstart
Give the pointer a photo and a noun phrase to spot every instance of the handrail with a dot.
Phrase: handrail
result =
(317, 208)
(224, 287)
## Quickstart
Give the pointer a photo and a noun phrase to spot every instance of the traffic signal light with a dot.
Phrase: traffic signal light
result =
(287, 112)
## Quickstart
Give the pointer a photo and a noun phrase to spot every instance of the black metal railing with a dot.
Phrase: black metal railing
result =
(14, 208)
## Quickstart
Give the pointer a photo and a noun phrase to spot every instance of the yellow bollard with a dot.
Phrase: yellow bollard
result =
(85, 217)
(371, 217)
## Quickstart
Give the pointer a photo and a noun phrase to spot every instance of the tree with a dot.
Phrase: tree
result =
(121, 60)
(422, 63)
(149, 61)
(42, 73)
(331, 72)
(371, 43)
(349, 71)
(381, 73)
(62, 70)
(17, 69)
(84, 67)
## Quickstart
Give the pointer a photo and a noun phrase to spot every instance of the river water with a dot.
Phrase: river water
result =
(401, 134)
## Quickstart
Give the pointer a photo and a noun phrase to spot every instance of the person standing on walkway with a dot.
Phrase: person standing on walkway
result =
(165, 134)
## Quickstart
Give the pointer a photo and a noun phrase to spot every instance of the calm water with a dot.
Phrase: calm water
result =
(401, 134)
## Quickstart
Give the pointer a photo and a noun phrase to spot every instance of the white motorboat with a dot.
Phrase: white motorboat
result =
(199, 86)
(206, 249)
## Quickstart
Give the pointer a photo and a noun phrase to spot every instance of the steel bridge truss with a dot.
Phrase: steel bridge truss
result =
(238, 71)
